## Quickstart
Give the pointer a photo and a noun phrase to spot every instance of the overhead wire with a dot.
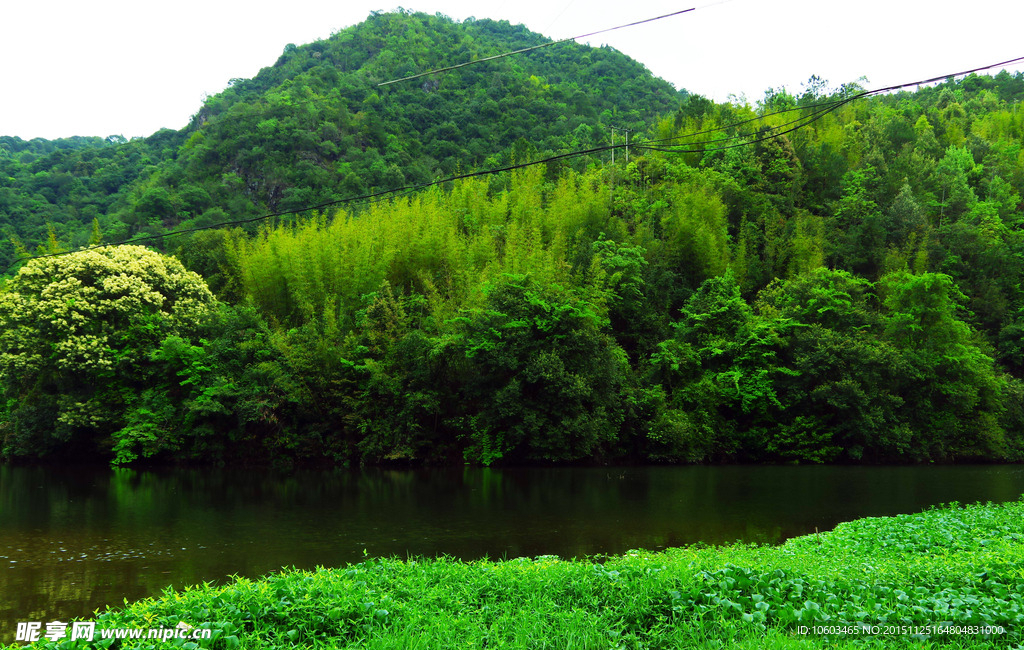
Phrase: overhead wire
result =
(357, 200)
(743, 139)
(772, 132)
(559, 16)
(826, 107)
(756, 118)
(403, 190)
(532, 47)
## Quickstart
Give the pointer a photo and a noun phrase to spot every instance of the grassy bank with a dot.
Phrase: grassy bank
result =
(961, 566)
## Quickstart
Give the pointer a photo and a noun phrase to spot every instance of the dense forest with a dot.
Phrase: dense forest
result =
(316, 127)
(849, 291)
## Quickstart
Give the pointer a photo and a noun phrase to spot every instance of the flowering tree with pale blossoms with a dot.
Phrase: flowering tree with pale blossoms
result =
(77, 332)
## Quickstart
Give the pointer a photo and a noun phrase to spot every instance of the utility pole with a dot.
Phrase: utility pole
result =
(611, 185)
(627, 132)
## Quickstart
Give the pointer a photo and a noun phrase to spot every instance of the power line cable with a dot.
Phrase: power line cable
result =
(559, 16)
(358, 200)
(533, 47)
(408, 189)
(768, 134)
(756, 118)
(827, 107)
(944, 77)
(841, 101)
(765, 134)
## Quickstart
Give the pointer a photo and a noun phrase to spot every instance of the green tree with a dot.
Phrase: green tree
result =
(953, 392)
(951, 178)
(543, 379)
(903, 218)
(839, 399)
(76, 335)
(155, 205)
(397, 392)
(230, 395)
(857, 235)
(621, 271)
(721, 374)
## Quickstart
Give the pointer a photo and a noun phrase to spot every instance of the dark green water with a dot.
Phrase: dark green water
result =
(72, 540)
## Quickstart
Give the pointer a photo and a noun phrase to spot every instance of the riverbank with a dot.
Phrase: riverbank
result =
(886, 582)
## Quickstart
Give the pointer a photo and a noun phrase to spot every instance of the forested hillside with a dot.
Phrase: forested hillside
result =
(316, 127)
(849, 291)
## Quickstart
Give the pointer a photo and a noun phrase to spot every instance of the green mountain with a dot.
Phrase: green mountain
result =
(316, 127)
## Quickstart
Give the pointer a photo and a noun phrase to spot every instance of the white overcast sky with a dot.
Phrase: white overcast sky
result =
(131, 67)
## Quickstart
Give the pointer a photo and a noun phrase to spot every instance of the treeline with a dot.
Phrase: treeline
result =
(68, 187)
(530, 323)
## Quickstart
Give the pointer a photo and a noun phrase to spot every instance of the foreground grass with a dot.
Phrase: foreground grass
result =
(954, 565)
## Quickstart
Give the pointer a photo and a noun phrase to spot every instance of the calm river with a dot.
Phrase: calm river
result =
(72, 540)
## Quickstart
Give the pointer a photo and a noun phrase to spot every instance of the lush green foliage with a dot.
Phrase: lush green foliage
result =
(850, 291)
(315, 127)
(77, 335)
(908, 575)
(827, 366)
(540, 373)
(533, 322)
(68, 186)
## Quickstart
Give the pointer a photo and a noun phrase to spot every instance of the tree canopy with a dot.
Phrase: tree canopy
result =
(77, 333)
